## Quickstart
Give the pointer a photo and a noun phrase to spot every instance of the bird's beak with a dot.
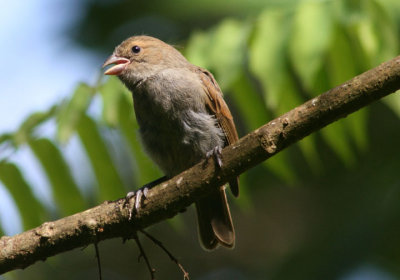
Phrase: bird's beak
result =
(120, 65)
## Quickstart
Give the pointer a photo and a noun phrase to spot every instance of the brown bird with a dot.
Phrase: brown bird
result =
(183, 118)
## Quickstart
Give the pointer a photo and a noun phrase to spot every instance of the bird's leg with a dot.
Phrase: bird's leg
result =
(216, 153)
(141, 193)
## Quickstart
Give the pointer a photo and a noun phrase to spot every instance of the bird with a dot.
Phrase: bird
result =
(182, 119)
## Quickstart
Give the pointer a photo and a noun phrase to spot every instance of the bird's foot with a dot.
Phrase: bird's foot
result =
(216, 153)
(140, 195)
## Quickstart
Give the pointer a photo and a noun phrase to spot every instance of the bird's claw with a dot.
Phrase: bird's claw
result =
(142, 192)
(216, 153)
(139, 195)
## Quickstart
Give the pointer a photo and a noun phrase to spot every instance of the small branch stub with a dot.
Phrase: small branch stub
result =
(268, 144)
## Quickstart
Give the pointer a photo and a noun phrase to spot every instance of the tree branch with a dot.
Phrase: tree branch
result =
(110, 219)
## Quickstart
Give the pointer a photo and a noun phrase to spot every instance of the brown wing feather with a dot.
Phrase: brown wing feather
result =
(218, 107)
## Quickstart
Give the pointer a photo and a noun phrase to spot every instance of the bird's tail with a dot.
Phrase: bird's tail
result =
(214, 221)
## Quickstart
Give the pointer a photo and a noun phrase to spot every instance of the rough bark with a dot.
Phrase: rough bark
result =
(111, 219)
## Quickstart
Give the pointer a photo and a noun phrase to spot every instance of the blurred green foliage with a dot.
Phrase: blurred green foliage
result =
(268, 57)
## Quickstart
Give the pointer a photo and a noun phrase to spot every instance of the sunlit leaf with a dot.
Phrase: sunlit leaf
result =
(65, 192)
(71, 113)
(342, 63)
(197, 49)
(228, 51)
(375, 34)
(268, 54)
(312, 31)
(383, 27)
(22, 135)
(221, 50)
(392, 7)
(111, 93)
(268, 61)
(30, 209)
(368, 40)
(110, 183)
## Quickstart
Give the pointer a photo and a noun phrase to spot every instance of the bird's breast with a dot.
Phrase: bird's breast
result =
(175, 127)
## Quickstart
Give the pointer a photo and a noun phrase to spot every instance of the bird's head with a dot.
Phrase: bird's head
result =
(140, 57)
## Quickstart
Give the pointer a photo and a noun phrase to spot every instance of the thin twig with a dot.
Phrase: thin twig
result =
(175, 260)
(143, 254)
(96, 248)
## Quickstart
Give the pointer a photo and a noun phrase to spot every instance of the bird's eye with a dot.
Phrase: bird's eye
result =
(135, 49)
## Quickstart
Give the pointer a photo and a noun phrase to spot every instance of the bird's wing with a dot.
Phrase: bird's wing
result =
(216, 104)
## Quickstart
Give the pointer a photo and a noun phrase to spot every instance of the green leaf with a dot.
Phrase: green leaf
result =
(145, 170)
(228, 50)
(308, 148)
(280, 166)
(5, 138)
(111, 92)
(382, 27)
(23, 134)
(30, 209)
(393, 102)
(6, 141)
(368, 40)
(357, 128)
(197, 48)
(249, 102)
(335, 136)
(71, 113)
(110, 183)
(268, 62)
(342, 65)
(392, 7)
(65, 192)
(268, 55)
(221, 50)
(309, 43)
(246, 191)
(375, 33)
